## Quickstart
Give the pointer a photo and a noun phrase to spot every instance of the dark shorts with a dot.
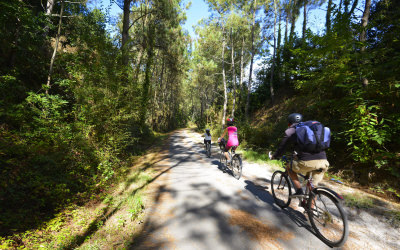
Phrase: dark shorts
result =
(207, 141)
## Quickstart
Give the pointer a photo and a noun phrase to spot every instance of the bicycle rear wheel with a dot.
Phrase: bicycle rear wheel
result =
(208, 151)
(222, 161)
(328, 218)
(236, 166)
(281, 189)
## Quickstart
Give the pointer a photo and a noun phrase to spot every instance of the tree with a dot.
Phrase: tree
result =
(252, 52)
(53, 57)
(273, 57)
(221, 7)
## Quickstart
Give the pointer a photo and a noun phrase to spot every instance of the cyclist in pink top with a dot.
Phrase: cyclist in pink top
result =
(233, 139)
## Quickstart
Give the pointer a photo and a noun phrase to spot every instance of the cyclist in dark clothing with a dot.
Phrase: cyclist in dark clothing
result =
(314, 163)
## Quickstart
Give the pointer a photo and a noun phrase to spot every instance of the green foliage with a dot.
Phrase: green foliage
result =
(62, 145)
(323, 76)
(358, 201)
(367, 134)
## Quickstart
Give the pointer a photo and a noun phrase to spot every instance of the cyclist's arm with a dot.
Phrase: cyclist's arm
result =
(223, 134)
(289, 137)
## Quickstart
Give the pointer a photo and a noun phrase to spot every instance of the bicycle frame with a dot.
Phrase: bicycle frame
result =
(231, 152)
(309, 185)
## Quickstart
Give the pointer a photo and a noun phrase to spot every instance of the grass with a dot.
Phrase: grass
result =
(261, 158)
(357, 200)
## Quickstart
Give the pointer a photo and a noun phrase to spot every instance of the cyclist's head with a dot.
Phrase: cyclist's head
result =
(294, 118)
(207, 130)
(230, 121)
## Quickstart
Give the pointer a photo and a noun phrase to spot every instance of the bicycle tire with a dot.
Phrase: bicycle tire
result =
(337, 218)
(222, 161)
(208, 150)
(236, 166)
(281, 189)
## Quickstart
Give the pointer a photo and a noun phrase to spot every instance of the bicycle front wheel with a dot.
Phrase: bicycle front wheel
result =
(281, 189)
(236, 166)
(328, 218)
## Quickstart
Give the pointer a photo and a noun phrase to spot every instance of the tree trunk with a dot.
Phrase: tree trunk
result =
(364, 23)
(278, 44)
(285, 49)
(292, 27)
(355, 3)
(278, 50)
(286, 28)
(287, 13)
(53, 57)
(233, 76)
(328, 17)
(125, 32)
(148, 73)
(251, 61)
(49, 11)
(201, 107)
(241, 66)
(223, 77)
(271, 87)
(346, 5)
(49, 7)
(304, 21)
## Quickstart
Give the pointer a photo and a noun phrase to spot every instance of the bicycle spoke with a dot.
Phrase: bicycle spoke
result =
(281, 190)
(328, 219)
(236, 167)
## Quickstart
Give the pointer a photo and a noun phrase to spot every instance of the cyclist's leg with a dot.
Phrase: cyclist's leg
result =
(226, 153)
(298, 167)
(294, 178)
(319, 169)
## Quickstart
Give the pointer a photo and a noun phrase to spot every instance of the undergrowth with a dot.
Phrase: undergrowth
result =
(111, 211)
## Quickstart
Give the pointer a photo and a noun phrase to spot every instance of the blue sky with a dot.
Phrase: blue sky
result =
(197, 11)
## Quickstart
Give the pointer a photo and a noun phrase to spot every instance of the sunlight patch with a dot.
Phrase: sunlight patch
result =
(266, 235)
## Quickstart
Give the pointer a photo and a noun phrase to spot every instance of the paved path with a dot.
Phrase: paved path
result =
(198, 206)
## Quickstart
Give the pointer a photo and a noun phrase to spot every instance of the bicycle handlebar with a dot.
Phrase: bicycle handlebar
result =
(270, 154)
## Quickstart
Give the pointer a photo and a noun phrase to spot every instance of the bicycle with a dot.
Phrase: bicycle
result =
(323, 206)
(208, 149)
(236, 164)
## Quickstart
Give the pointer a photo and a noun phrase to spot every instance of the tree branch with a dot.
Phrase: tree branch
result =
(117, 4)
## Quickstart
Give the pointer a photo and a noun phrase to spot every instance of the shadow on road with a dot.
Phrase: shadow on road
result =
(296, 216)
(196, 212)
